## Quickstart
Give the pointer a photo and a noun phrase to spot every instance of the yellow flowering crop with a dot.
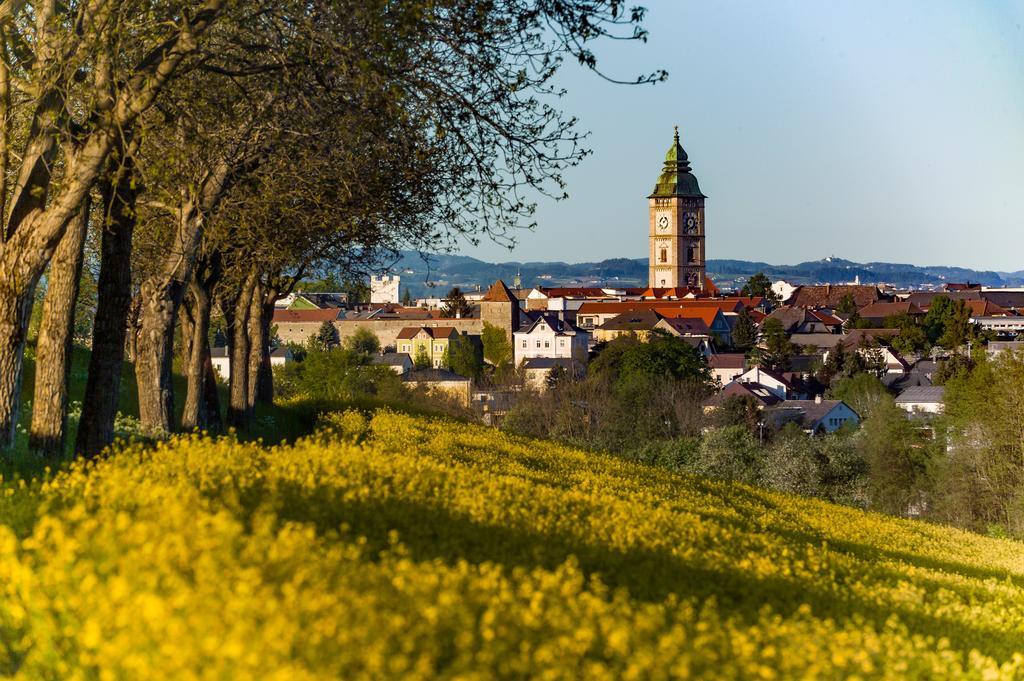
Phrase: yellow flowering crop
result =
(398, 547)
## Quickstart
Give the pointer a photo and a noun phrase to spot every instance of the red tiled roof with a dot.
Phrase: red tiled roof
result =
(305, 316)
(618, 307)
(704, 314)
(573, 292)
(880, 310)
(826, 318)
(986, 308)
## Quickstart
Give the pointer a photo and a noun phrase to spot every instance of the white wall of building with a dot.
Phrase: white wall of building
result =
(384, 289)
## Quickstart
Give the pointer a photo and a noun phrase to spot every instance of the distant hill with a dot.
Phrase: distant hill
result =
(434, 274)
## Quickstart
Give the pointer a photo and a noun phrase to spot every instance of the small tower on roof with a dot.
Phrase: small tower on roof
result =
(676, 224)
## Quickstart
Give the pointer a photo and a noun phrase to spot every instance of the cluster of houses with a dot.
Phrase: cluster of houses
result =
(558, 327)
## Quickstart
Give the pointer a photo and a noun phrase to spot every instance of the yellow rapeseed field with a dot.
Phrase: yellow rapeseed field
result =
(399, 547)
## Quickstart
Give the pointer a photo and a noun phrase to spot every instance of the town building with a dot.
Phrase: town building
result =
(384, 289)
(549, 336)
(537, 370)
(813, 416)
(441, 381)
(727, 366)
(425, 341)
(922, 399)
(676, 225)
(221, 360)
(399, 362)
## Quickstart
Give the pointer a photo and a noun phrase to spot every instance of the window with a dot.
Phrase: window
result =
(524, 342)
(538, 343)
(664, 255)
(561, 342)
(547, 344)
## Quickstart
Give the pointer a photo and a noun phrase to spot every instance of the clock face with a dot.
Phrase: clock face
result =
(690, 223)
(663, 222)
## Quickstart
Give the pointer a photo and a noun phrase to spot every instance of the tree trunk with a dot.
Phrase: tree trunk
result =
(258, 346)
(54, 348)
(265, 378)
(237, 314)
(154, 346)
(211, 401)
(15, 309)
(187, 321)
(114, 299)
(196, 338)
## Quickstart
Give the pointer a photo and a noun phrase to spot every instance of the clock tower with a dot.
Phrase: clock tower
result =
(676, 209)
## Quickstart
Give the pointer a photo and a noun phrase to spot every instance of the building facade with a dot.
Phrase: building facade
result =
(550, 337)
(676, 225)
(384, 289)
(425, 341)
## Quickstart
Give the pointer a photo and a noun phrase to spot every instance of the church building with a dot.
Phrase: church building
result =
(676, 213)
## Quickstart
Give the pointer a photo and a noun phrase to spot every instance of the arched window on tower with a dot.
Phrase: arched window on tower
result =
(689, 254)
(663, 256)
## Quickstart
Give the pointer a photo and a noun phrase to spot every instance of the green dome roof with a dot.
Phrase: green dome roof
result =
(676, 178)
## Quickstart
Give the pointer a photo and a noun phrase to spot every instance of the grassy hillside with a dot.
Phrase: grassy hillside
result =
(408, 548)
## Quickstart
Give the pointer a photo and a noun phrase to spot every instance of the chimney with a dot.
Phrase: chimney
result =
(817, 399)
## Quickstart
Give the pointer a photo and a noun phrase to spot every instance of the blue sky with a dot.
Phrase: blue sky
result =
(867, 130)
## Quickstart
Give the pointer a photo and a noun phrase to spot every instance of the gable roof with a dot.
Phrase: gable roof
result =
(986, 308)
(808, 412)
(561, 327)
(830, 296)
(685, 325)
(920, 393)
(759, 371)
(706, 315)
(857, 337)
(392, 359)
(759, 393)
(633, 320)
(435, 332)
(791, 317)
(728, 360)
(826, 318)
(306, 316)
(499, 293)
(881, 310)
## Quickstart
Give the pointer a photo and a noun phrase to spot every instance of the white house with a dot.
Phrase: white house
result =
(399, 362)
(814, 416)
(776, 384)
(222, 360)
(727, 366)
(550, 337)
(921, 399)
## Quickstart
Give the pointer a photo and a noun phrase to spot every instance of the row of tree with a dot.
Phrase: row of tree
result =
(225, 149)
